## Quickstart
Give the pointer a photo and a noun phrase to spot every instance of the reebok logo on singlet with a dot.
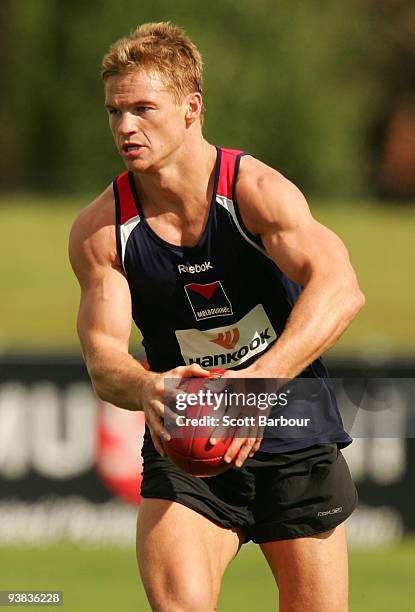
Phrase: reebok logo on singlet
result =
(195, 269)
(228, 346)
(208, 300)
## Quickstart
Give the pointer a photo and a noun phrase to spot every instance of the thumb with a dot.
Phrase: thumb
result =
(196, 370)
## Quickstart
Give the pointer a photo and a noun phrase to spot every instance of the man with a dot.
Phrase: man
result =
(201, 244)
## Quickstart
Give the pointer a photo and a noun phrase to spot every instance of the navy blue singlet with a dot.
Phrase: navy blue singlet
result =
(221, 303)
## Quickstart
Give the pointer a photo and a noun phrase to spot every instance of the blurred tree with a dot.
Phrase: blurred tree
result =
(398, 168)
(9, 174)
(298, 91)
(394, 128)
(294, 82)
(399, 21)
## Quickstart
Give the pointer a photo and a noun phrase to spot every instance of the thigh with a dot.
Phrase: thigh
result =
(312, 572)
(182, 556)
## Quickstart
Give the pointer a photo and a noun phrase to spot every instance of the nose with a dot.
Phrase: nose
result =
(126, 124)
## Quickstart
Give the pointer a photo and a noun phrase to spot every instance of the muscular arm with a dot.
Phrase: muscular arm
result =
(309, 254)
(104, 317)
(104, 321)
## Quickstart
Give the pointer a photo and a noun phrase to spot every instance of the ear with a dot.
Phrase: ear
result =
(194, 106)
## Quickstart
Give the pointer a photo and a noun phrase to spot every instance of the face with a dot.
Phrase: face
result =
(147, 123)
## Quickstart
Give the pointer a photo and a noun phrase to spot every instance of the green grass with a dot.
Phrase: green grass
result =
(383, 580)
(105, 580)
(40, 293)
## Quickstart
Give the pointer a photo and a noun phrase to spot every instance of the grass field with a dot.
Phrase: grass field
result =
(41, 294)
(106, 580)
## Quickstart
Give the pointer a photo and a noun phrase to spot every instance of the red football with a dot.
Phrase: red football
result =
(193, 452)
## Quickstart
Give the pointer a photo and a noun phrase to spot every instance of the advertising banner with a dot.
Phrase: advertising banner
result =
(70, 464)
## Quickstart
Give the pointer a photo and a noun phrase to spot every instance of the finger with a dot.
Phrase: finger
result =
(173, 394)
(231, 429)
(169, 416)
(222, 431)
(244, 452)
(158, 445)
(173, 378)
(172, 391)
(219, 433)
(162, 432)
(156, 425)
(217, 385)
(193, 370)
(155, 409)
(255, 447)
(233, 449)
(257, 434)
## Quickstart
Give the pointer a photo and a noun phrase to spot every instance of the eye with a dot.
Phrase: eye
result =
(141, 110)
(113, 111)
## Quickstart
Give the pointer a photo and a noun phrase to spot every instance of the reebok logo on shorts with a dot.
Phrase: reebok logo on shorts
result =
(228, 346)
(208, 300)
(332, 511)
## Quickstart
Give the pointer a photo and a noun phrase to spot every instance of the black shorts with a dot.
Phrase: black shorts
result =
(274, 496)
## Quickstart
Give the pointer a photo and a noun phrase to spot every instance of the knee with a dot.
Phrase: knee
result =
(188, 595)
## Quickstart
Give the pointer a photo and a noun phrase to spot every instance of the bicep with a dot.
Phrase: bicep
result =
(276, 210)
(104, 316)
(305, 249)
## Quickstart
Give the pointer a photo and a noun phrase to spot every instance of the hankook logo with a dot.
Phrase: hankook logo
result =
(227, 339)
(206, 265)
(261, 339)
(228, 345)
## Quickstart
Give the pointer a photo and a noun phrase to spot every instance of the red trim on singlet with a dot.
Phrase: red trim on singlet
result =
(227, 172)
(128, 208)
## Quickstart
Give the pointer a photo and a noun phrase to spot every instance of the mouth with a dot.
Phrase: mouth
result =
(131, 149)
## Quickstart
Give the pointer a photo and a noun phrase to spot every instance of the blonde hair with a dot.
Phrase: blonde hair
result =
(160, 47)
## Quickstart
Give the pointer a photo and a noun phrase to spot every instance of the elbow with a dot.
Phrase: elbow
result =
(362, 300)
(359, 300)
(97, 382)
(354, 302)
(99, 390)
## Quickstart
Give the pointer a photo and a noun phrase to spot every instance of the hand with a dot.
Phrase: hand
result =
(154, 401)
(247, 437)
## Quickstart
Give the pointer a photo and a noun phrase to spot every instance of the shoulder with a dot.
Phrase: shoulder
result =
(92, 240)
(266, 197)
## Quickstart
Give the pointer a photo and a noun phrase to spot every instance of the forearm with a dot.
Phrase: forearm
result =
(116, 377)
(319, 317)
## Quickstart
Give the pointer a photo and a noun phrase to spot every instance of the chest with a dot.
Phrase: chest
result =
(182, 230)
(214, 271)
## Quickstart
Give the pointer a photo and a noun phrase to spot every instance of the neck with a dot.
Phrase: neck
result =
(185, 180)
